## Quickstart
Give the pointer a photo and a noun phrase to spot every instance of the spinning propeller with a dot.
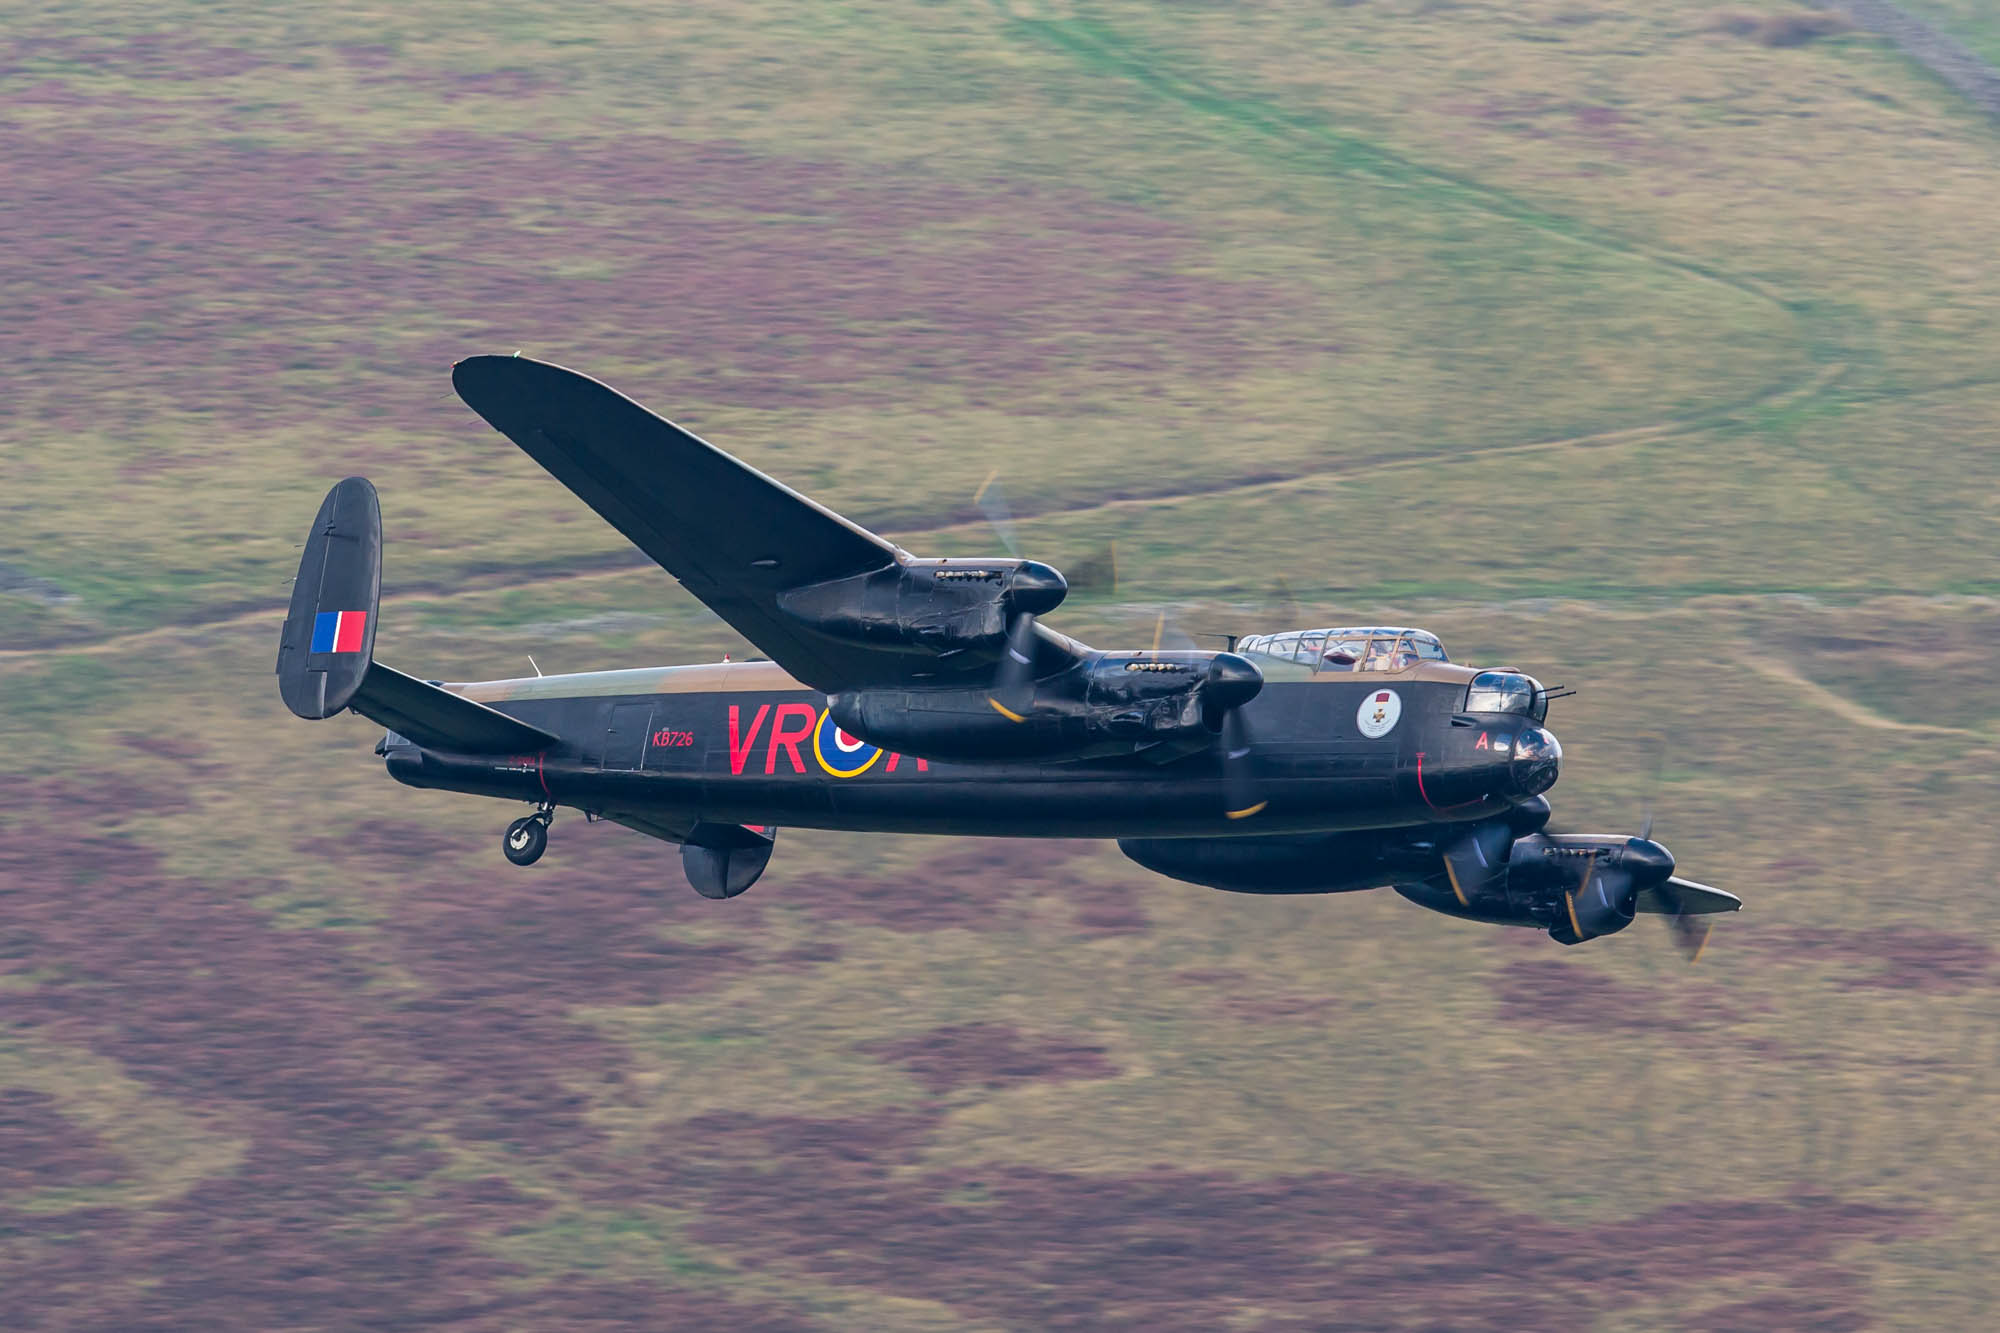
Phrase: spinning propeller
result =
(1013, 692)
(1031, 589)
(1617, 883)
(1229, 682)
(1509, 867)
(1095, 572)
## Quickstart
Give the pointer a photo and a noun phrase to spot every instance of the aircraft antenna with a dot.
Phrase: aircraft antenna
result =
(531, 662)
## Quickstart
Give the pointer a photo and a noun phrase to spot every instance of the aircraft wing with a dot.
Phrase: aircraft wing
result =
(733, 537)
(1684, 897)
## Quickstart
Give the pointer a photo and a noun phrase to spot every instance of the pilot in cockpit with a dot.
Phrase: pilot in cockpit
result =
(1388, 655)
(1340, 654)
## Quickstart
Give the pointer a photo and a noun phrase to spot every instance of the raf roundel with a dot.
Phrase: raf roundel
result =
(840, 754)
(1378, 714)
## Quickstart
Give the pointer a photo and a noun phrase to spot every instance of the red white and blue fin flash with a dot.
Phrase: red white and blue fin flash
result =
(338, 631)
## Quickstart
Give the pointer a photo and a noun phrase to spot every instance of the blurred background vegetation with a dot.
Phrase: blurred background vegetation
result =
(1648, 347)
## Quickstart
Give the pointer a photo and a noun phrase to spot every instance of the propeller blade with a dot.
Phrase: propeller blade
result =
(1689, 931)
(1603, 901)
(1654, 749)
(1570, 895)
(1241, 795)
(1690, 935)
(1287, 605)
(1031, 589)
(1167, 634)
(1013, 694)
(992, 502)
(1231, 683)
(1477, 863)
(1097, 572)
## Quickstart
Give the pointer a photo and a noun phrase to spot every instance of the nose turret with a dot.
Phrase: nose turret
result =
(1537, 762)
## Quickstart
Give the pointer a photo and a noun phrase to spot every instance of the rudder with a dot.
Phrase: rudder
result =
(329, 635)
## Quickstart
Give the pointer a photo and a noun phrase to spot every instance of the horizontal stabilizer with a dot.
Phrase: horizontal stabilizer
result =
(437, 719)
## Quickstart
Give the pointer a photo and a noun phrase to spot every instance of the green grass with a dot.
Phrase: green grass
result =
(1969, 21)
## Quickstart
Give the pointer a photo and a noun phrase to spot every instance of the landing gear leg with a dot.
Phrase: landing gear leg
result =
(528, 838)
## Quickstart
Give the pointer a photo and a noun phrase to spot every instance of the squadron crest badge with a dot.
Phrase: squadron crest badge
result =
(1378, 714)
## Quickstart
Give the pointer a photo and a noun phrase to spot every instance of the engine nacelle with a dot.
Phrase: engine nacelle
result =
(928, 606)
(1438, 896)
(956, 724)
(1115, 703)
(1575, 887)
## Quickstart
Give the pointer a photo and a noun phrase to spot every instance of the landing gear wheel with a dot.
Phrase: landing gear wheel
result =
(526, 840)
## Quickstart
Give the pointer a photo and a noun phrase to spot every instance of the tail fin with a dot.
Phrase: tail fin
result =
(329, 636)
(326, 656)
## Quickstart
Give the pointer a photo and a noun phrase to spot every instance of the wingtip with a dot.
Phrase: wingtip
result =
(478, 378)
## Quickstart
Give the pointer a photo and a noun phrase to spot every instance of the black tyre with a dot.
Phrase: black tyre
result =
(526, 840)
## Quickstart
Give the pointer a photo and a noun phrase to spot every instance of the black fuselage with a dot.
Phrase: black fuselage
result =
(745, 744)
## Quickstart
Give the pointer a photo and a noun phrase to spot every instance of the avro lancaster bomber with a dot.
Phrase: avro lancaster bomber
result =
(906, 694)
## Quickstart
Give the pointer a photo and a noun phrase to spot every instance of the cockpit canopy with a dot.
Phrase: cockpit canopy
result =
(1372, 648)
